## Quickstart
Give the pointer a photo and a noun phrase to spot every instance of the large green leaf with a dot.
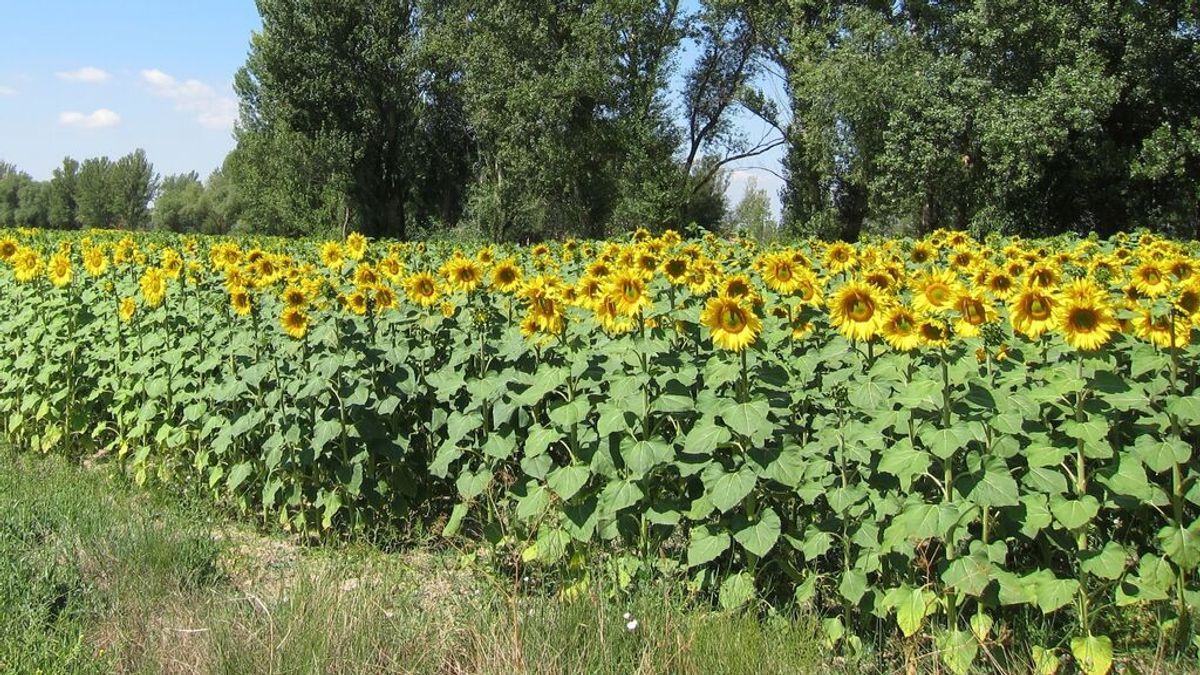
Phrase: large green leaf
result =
(707, 543)
(760, 536)
(728, 490)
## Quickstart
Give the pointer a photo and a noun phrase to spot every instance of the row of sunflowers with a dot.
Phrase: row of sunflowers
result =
(950, 436)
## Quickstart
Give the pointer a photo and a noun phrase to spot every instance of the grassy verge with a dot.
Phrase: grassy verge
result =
(99, 577)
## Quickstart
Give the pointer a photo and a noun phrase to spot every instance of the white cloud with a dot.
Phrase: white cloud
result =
(85, 74)
(212, 110)
(7, 91)
(98, 119)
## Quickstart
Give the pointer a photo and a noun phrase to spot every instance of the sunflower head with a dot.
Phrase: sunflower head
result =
(506, 276)
(857, 310)
(126, 309)
(294, 322)
(1086, 323)
(422, 289)
(732, 324)
(239, 300)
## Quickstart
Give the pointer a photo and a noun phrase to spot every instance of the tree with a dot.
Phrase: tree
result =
(94, 194)
(1013, 116)
(61, 199)
(33, 208)
(134, 185)
(180, 205)
(12, 182)
(752, 217)
(348, 75)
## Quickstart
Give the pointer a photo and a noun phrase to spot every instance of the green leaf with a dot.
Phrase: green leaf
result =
(943, 443)
(540, 439)
(1107, 563)
(620, 494)
(1181, 544)
(535, 501)
(1186, 409)
(238, 474)
(995, 486)
(454, 523)
(1051, 593)
(958, 650)
(747, 419)
(325, 431)
(729, 489)
(705, 437)
(1073, 514)
(642, 456)
(1045, 661)
(969, 574)
(1093, 653)
(904, 462)
(736, 591)
(760, 537)
(912, 605)
(853, 585)
(706, 544)
(471, 485)
(567, 480)
(1160, 456)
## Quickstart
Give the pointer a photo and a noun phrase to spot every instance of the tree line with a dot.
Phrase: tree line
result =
(551, 118)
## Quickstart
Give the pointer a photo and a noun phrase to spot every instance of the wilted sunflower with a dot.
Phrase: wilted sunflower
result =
(421, 289)
(628, 292)
(935, 291)
(294, 322)
(857, 310)
(154, 286)
(901, 328)
(734, 326)
(1033, 311)
(506, 276)
(1087, 323)
(59, 270)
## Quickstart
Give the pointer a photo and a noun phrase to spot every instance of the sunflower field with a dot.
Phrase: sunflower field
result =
(937, 440)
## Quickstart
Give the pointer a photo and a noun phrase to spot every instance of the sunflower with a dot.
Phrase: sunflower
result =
(612, 321)
(365, 276)
(1000, 284)
(933, 332)
(506, 276)
(239, 300)
(900, 328)
(675, 269)
(1086, 323)
(1033, 311)
(421, 289)
(154, 286)
(734, 326)
(1162, 330)
(921, 253)
(1150, 279)
(1041, 275)
(780, 274)
(857, 310)
(294, 322)
(392, 268)
(809, 289)
(935, 291)
(973, 312)
(126, 309)
(59, 270)
(839, 257)
(356, 302)
(332, 255)
(463, 274)
(356, 246)
(628, 291)
(737, 286)
(27, 264)
(384, 298)
(294, 296)
(1187, 299)
(8, 248)
(94, 261)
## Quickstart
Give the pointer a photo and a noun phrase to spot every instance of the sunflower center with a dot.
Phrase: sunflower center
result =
(425, 288)
(1039, 309)
(1084, 319)
(631, 292)
(973, 313)
(1153, 277)
(783, 273)
(938, 294)
(732, 320)
(861, 308)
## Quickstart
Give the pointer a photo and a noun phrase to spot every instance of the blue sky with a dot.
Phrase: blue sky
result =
(103, 78)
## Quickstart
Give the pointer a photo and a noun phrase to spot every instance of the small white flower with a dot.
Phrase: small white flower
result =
(632, 625)
(628, 616)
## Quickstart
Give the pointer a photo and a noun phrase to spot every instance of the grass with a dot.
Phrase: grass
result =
(96, 576)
